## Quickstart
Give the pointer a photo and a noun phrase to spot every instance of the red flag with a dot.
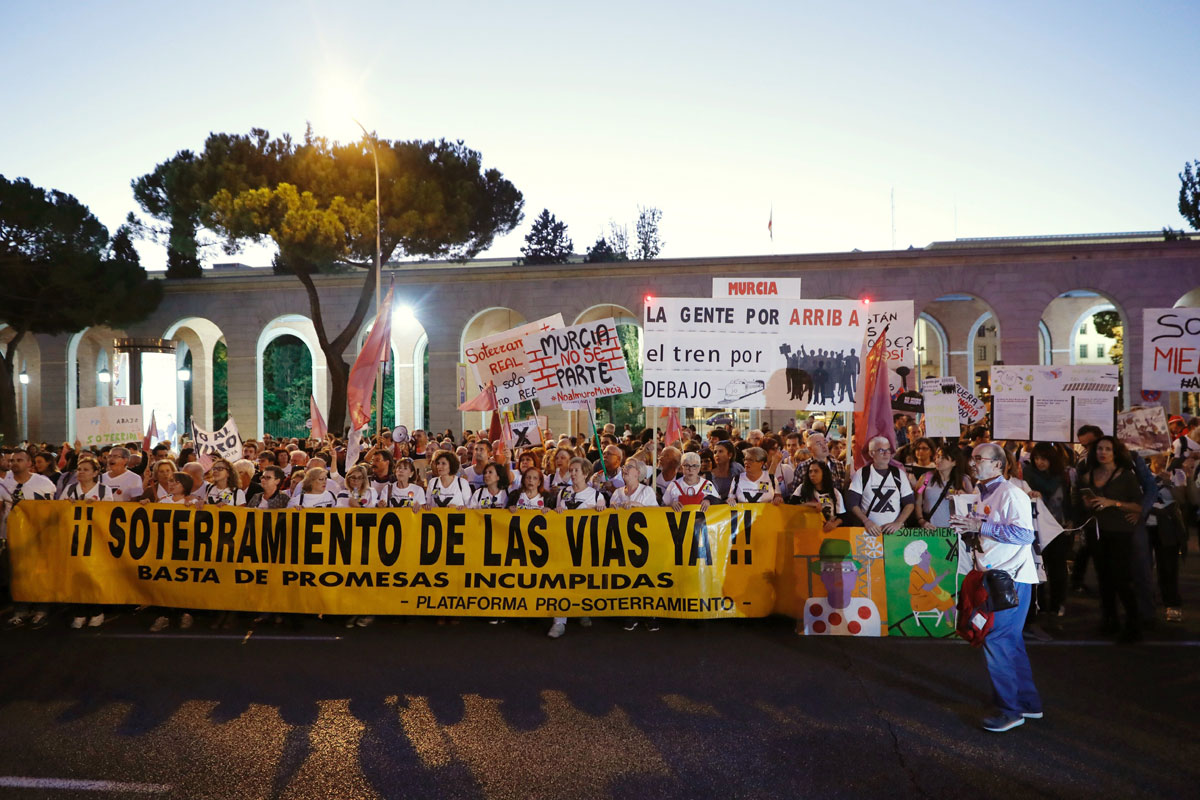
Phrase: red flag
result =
(873, 414)
(362, 375)
(674, 431)
(151, 435)
(495, 432)
(318, 422)
(484, 401)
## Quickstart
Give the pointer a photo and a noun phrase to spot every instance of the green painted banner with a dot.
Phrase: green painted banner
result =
(921, 571)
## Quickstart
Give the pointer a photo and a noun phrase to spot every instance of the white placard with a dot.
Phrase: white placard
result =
(526, 433)
(897, 316)
(1171, 349)
(581, 362)
(941, 407)
(970, 408)
(225, 443)
(786, 288)
(759, 353)
(500, 358)
(1098, 411)
(1101, 380)
(1052, 419)
(1010, 417)
(105, 425)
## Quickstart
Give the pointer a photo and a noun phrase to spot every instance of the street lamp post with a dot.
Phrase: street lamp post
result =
(378, 279)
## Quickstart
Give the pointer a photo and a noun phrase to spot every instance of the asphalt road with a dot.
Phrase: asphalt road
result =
(714, 710)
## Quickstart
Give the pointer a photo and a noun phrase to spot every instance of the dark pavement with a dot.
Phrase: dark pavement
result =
(720, 710)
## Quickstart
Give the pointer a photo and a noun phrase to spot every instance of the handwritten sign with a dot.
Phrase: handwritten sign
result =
(1171, 349)
(225, 443)
(941, 407)
(500, 358)
(526, 433)
(103, 425)
(897, 317)
(582, 362)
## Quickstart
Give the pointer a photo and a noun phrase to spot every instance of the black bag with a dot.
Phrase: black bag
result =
(1002, 590)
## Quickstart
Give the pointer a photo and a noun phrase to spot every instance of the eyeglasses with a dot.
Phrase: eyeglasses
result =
(978, 459)
(883, 450)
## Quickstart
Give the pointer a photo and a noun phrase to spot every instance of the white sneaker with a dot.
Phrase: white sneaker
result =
(363, 622)
(1174, 614)
(185, 621)
(585, 622)
(96, 621)
(77, 623)
(557, 630)
(160, 624)
(38, 618)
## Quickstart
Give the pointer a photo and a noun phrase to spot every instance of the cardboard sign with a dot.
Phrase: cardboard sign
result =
(104, 425)
(970, 408)
(500, 358)
(756, 353)
(1171, 349)
(582, 362)
(1144, 430)
(941, 407)
(526, 433)
(788, 288)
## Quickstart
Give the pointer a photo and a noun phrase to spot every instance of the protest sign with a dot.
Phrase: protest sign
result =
(1144, 429)
(970, 408)
(941, 407)
(756, 287)
(921, 567)
(526, 433)
(840, 588)
(500, 358)
(105, 425)
(1050, 403)
(752, 353)
(461, 377)
(1171, 349)
(225, 443)
(897, 317)
(640, 562)
(581, 362)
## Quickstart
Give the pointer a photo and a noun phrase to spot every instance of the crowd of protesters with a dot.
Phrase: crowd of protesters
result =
(1128, 516)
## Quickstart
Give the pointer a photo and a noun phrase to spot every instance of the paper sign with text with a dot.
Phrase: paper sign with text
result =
(1171, 349)
(752, 353)
(500, 358)
(104, 425)
(897, 317)
(581, 362)
(941, 407)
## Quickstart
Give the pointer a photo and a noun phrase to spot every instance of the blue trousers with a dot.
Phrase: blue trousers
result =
(1013, 691)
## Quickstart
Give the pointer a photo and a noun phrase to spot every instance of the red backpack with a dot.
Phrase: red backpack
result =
(975, 616)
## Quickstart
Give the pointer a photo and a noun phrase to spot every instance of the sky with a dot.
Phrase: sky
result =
(980, 119)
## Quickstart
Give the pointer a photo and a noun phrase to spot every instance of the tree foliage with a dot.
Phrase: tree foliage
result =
(315, 201)
(1189, 194)
(61, 273)
(547, 241)
(649, 240)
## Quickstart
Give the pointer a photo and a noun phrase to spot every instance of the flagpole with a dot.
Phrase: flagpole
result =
(591, 407)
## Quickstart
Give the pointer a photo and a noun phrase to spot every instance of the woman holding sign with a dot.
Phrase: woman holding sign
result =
(447, 489)
(690, 489)
(577, 497)
(224, 490)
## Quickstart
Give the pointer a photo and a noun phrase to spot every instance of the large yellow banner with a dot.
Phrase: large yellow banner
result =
(641, 562)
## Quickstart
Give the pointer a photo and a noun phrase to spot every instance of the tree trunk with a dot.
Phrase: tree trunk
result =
(9, 427)
(339, 370)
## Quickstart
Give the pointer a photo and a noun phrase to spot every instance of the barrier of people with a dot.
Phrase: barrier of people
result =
(726, 562)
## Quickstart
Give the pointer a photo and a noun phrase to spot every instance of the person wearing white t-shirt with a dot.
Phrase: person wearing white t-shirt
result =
(561, 476)
(125, 486)
(999, 536)
(358, 492)
(633, 493)
(314, 491)
(22, 484)
(530, 496)
(405, 493)
(224, 490)
(880, 495)
(87, 488)
(447, 489)
(754, 485)
(473, 473)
